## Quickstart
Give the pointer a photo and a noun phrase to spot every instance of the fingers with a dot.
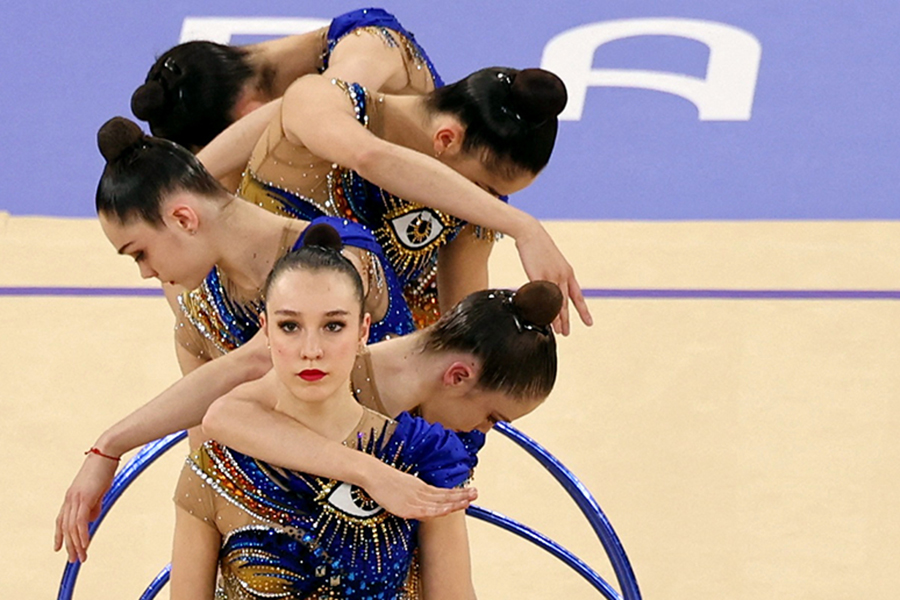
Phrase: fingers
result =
(72, 529)
(579, 302)
(448, 501)
(564, 312)
(71, 549)
(81, 529)
(58, 534)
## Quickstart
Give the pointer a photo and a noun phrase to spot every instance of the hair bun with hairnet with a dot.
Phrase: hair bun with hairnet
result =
(116, 136)
(149, 101)
(324, 235)
(538, 303)
(537, 95)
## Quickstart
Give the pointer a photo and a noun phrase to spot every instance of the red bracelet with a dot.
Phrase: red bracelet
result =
(96, 451)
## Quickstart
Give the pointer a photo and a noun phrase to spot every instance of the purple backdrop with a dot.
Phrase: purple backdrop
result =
(821, 141)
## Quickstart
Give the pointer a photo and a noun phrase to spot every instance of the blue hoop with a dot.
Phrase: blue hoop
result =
(134, 467)
(576, 490)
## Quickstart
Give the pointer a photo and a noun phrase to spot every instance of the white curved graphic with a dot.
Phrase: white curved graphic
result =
(725, 94)
(353, 501)
(222, 29)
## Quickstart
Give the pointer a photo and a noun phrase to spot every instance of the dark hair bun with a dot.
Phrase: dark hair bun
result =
(116, 136)
(324, 235)
(148, 101)
(537, 95)
(538, 302)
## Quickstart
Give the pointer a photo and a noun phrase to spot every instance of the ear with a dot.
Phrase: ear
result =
(185, 217)
(364, 330)
(448, 138)
(460, 375)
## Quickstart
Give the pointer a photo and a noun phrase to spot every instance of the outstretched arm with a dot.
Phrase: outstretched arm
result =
(256, 429)
(444, 559)
(181, 406)
(316, 113)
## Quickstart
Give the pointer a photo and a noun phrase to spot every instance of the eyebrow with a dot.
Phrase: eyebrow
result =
(122, 249)
(331, 313)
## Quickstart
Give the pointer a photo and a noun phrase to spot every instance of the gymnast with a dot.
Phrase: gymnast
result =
(158, 205)
(278, 533)
(491, 358)
(197, 88)
(423, 172)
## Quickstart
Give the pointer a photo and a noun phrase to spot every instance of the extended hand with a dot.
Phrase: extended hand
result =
(542, 260)
(409, 497)
(82, 505)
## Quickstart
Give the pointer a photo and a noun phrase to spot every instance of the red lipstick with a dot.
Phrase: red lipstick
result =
(311, 375)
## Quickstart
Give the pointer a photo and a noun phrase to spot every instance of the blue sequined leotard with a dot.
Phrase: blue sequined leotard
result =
(214, 322)
(292, 535)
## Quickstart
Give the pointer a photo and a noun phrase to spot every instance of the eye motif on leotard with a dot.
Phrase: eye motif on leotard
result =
(353, 501)
(418, 228)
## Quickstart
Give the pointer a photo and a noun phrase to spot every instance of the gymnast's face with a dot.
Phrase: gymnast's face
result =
(463, 407)
(314, 329)
(172, 252)
(496, 182)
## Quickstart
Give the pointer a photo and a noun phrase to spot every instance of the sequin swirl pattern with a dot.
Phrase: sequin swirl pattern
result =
(319, 538)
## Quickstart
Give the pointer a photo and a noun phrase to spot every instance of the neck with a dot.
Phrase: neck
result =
(333, 418)
(286, 59)
(404, 375)
(249, 241)
(407, 123)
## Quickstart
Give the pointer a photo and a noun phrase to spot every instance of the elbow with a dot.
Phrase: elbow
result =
(369, 161)
(211, 425)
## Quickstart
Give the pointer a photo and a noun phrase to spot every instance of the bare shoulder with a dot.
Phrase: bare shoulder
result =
(260, 391)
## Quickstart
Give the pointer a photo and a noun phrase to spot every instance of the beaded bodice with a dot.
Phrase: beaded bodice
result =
(289, 534)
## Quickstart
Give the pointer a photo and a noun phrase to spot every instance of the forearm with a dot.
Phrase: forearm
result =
(181, 406)
(266, 434)
(420, 178)
(444, 559)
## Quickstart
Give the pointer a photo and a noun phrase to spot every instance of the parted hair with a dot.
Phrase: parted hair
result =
(321, 251)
